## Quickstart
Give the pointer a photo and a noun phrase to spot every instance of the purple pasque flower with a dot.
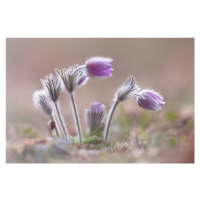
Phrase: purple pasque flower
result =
(94, 118)
(150, 100)
(99, 67)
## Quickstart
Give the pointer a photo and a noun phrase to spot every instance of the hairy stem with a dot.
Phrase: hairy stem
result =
(79, 68)
(110, 120)
(76, 116)
(52, 119)
(61, 120)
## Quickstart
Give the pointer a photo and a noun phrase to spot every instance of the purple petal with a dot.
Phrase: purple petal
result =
(150, 101)
(95, 105)
(97, 65)
(103, 73)
(148, 105)
(154, 95)
(81, 79)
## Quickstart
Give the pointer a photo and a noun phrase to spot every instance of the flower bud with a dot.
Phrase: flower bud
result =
(94, 118)
(99, 67)
(150, 100)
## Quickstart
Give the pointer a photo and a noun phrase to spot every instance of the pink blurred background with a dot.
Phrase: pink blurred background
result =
(165, 65)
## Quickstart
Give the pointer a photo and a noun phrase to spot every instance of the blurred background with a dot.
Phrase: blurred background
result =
(165, 65)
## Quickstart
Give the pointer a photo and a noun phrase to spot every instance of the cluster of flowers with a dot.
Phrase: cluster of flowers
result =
(68, 80)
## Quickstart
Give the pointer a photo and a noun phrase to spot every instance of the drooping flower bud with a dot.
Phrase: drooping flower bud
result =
(70, 79)
(42, 102)
(150, 100)
(53, 87)
(99, 67)
(94, 118)
(127, 90)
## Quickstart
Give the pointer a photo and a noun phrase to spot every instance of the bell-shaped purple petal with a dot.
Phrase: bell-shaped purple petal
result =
(150, 100)
(99, 67)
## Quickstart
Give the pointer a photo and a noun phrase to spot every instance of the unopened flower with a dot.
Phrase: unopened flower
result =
(150, 100)
(53, 86)
(71, 79)
(42, 102)
(127, 90)
(99, 67)
(94, 118)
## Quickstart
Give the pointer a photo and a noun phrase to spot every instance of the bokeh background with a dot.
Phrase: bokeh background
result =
(163, 64)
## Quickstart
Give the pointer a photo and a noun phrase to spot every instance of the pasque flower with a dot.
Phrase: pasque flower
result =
(147, 99)
(53, 88)
(94, 118)
(97, 67)
(150, 100)
(71, 79)
(43, 103)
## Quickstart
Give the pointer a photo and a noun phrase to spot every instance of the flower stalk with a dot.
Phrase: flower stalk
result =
(110, 120)
(70, 81)
(77, 118)
(56, 129)
(61, 120)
